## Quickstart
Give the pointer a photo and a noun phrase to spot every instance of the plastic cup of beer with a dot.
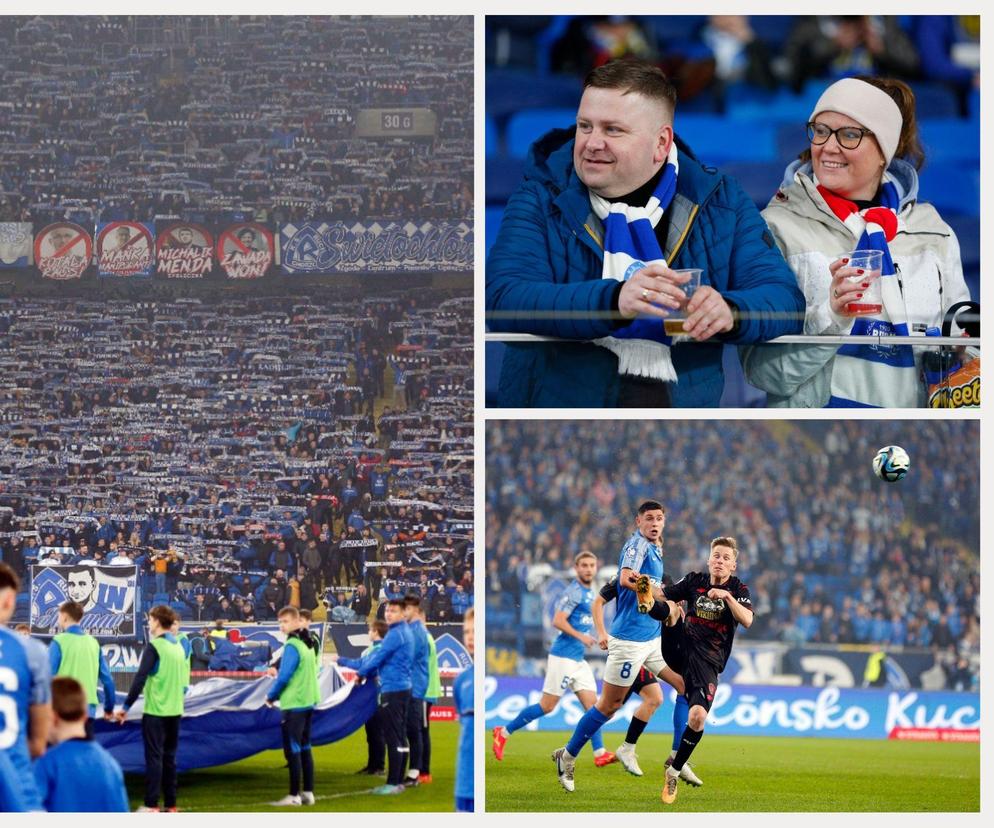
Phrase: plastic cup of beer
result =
(674, 325)
(870, 262)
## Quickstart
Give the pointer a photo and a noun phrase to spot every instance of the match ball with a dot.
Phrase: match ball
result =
(891, 463)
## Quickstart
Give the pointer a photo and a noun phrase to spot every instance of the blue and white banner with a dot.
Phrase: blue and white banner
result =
(263, 635)
(16, 239)
(337, 247)
(759, 710)
(109, 596)
(237, 709)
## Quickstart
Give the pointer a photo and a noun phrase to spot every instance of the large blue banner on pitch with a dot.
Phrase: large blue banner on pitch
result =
(337, 247)
(750, 710)
(225, 720)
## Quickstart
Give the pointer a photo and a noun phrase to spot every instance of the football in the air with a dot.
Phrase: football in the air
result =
(891, 463)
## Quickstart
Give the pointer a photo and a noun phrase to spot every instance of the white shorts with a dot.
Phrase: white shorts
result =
(562, 674)
(624, 658)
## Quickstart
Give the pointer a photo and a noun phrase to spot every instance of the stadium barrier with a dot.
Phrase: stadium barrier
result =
(764, 710)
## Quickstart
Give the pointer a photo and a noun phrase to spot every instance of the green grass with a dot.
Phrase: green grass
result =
(251, 784)
(744, 774)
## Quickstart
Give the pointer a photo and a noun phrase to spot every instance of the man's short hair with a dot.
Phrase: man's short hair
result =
(586, 553)
(292, 612)
(412, 600)
(632, 75)
(73, 609)
(8, 578)
(381, 627)
(726, 540)
(23, 628)
(469, 615)
(69, 699)
(306, 614)
(651, 505)
(163, 614)
(396, 602)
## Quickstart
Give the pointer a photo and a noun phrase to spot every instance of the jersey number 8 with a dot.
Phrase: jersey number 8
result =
(626, 670)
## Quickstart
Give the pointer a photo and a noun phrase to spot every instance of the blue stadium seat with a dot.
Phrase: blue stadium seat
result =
(759, 180)
(526, 126)
(772, 29)
(492, 138)
(672, 28)
(973, 104)
(492, 219)
(952, 188)
(951, 139)
(503, 177)
(782, 106)
(510, 91)
(160, 598)
(791, 141)
(716, 140)
(934, 100)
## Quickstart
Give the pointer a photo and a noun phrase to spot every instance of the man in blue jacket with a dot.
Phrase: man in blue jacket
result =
(393, 660)
(548, 273)
(417, 712)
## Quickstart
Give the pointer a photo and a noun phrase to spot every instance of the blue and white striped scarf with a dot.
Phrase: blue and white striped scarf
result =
(875, 376)
(642, 347)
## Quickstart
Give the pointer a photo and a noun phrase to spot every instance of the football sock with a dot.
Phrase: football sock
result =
(635, 729)
(597, 743)
(589, 724)
(688, 742)
(681, 712)
(529, 714)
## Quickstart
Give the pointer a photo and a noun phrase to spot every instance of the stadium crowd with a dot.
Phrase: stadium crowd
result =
(830, 553)
(245, 453)
(231, 118)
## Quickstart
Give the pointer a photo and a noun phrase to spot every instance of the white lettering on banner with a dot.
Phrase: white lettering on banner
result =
(827, 670)
(755, 667)
(801, 715)
(900, 713)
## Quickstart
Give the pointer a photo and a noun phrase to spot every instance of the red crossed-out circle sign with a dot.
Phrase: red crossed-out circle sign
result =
(245, 251)
(117, 240)
(63, 250)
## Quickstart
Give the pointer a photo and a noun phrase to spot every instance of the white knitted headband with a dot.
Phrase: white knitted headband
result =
(869, 107)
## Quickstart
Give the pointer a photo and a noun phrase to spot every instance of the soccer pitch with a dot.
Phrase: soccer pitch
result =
(743, 774)
(251, 784)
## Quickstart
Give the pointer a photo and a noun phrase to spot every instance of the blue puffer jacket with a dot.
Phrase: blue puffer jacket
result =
(548, 256)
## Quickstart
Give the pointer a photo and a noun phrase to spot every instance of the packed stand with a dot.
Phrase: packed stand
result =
(830, 553)
(245, 453)
(232, 118)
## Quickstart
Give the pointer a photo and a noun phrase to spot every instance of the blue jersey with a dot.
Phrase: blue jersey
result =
(575, 602)
(80, 776)
(644, 558)
(462, 695)
(11, 799)
(25, 679)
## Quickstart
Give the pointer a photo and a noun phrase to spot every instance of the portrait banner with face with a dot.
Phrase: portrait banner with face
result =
(108, 595)
(183, 251)
(337, 247)
(246, 251)
(125, 248)
(15, 244)
(63, 251)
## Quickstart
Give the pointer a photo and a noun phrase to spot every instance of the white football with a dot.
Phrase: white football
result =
(891, 463)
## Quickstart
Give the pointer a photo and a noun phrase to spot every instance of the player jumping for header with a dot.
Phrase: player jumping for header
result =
(566, 668)
(635, 636)
(717, 602)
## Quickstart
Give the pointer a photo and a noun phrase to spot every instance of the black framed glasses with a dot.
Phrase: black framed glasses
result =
(848, 137)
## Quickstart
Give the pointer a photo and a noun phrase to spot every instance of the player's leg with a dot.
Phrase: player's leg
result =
(170, 746)
(425, 777)
(602, 756)
(415, 715)
(648, 689)
(307, 760)
(674, 654)
(701, 679)
(290, 731)
(393, 712)
(557, 681)
(154, 739)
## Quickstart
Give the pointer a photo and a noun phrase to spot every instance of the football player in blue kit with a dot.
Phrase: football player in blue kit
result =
(566, 668)
(634, 641)
(25, 695)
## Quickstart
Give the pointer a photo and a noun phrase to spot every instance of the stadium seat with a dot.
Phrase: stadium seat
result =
(934, 100)
(503, 177)
(492, 219)
(716, 140)
(160, 598)
(674, 28)
(951, 139)
(782, 106)
(791, 141)
(525, 127)
(772, 29)
(510, 91)
(759, 180)
(952, 188)
(973, 104)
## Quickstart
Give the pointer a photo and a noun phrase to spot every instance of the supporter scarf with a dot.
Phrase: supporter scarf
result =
(642, 348)
(874, 376)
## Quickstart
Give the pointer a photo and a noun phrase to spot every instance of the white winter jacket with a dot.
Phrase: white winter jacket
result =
(925, 251)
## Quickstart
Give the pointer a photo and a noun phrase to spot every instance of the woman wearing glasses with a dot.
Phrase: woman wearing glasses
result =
(856, 188)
